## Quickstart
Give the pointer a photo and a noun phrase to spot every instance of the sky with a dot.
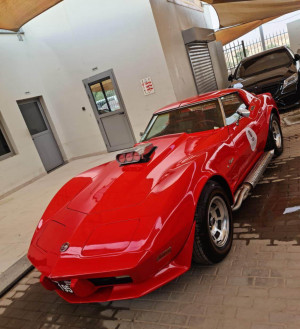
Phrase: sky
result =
(276, 25)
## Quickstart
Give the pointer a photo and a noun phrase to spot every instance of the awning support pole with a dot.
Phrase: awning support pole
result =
(262, 37)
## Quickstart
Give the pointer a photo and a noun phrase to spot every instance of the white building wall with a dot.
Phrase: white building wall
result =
(171, 20)
(18, 75)
(60, 49)
(293, 29)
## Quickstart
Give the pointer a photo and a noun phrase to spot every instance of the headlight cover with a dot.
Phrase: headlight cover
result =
(290, 80)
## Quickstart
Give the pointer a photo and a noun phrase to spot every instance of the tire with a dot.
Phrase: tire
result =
(207, 248)
(275, 138)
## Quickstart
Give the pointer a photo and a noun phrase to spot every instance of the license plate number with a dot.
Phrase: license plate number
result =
(64, 286)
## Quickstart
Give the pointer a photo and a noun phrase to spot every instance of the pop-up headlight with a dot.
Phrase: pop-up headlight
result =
(140, 153)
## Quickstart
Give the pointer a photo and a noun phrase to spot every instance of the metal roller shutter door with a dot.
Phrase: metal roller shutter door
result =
(202, 67)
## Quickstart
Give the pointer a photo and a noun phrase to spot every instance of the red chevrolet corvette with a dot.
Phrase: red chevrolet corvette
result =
(127, 227)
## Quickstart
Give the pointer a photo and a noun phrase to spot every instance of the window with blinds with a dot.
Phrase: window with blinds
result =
(202, 67)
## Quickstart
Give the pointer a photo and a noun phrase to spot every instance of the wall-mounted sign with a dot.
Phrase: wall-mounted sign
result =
(193, 4)
(147, 86)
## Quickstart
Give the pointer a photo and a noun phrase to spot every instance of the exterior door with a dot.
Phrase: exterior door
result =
(41, 133)
(110, 111)
(243, 136)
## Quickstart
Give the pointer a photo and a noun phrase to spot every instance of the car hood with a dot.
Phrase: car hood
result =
(115, 186)
(109, 210)
(272, 77)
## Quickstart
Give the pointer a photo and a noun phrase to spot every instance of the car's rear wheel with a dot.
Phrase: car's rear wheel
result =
(275, 138)
(214, 227)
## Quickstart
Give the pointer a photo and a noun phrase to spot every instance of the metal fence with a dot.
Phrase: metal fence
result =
(235, 51)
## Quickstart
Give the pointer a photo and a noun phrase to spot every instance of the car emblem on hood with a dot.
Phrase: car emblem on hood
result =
(65, 247)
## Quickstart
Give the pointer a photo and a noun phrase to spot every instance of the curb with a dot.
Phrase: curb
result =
(14, 274)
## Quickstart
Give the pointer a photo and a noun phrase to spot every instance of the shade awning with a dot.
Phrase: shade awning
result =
(232, 33)
(233, 12)
(15, 13)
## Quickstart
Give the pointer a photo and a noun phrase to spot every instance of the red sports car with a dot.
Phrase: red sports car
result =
(127, 227)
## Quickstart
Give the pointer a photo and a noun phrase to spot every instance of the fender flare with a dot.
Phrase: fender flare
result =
(219, 179)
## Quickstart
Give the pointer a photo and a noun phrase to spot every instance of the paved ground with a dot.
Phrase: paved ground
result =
(21, 211)
(256, 287)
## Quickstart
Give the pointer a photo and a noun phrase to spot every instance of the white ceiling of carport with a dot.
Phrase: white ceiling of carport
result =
(240, 17)
(15, 13)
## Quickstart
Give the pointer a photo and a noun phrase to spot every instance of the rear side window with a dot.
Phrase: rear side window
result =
(231, 103)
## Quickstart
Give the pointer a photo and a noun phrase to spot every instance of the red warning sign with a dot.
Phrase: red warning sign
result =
(147, 86)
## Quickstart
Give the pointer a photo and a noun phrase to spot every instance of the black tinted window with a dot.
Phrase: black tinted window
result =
(4, 147)
(263, 63)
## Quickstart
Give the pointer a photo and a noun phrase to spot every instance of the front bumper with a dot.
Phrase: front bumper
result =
(85, 292)
(146, 271)
(286, 101)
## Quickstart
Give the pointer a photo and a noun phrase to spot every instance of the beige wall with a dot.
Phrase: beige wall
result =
(60, 49)
(18, 75)
(219, 63)
(293, 29)
(171, 20)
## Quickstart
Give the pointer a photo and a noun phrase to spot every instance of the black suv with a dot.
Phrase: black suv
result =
(274, 71)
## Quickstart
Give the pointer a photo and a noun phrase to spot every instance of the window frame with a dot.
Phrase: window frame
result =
(9, 144)
(100, 81)
(231, 93)
(152, 121)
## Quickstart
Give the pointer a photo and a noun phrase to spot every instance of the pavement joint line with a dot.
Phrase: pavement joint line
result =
(14, 274)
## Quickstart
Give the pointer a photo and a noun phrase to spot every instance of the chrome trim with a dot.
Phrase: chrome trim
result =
(188, 105)
(223, 111)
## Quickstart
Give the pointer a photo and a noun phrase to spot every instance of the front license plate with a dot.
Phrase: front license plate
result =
(64, 286)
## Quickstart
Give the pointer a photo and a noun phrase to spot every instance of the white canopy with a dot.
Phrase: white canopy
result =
(15, 13)
(240, 17)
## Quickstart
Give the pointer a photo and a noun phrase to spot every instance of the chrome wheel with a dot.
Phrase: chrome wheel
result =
(276, 134)
(218, 221)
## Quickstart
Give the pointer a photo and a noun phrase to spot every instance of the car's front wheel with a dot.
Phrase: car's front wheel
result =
(214, 226)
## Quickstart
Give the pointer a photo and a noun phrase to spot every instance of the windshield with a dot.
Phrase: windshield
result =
(196, 118)
(267, 62)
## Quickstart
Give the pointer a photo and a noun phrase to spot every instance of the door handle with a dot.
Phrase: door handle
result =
(121, 113)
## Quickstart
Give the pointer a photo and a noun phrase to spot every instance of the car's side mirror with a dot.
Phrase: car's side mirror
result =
(231, 78)
(243, 111)
(141, 134)
(297, 57)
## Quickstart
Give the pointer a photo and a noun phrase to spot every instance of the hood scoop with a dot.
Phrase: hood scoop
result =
(137, 154)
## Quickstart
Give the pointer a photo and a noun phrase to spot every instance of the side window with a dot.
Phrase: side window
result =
(231, 103)
(158, 125)
(105, 96)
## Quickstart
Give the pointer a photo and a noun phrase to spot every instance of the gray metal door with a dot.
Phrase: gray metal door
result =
(41, 133)
(110, 112)
(202, 67)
